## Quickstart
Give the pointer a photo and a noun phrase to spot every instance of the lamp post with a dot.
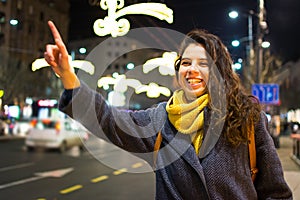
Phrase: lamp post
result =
(250, 46)
(250, 37)
(261, 28)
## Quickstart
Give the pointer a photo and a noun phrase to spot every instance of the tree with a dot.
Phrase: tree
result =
(18, 81)
(273, 71)
(290, 90)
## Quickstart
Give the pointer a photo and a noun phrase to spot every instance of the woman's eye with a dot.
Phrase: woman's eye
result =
(185, 63)
(203, 64)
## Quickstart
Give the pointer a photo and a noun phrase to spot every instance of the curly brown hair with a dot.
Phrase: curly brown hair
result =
(242, 110)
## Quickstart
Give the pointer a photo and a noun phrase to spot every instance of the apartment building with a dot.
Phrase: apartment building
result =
(23, 35)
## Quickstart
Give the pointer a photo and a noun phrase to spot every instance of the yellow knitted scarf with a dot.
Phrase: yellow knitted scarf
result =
(188, 117)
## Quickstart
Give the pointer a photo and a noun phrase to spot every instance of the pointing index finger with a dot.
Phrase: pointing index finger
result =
(58, 40)
(54, 31)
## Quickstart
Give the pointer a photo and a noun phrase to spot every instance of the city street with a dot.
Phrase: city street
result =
(50, 175)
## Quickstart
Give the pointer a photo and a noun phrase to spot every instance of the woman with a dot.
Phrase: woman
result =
(204, 125)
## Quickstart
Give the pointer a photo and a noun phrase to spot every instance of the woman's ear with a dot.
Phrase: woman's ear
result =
(177, 63)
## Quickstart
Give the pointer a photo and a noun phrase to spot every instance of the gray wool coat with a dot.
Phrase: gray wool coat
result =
(218, 172)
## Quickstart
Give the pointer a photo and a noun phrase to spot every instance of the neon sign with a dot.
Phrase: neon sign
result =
(110, 24)
(47, 103)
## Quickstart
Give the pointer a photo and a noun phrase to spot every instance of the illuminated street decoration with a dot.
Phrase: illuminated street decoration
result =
(116, 98)
(80, 64)
(121, 84)
(153, 90)
(165, 64)
(110, 24)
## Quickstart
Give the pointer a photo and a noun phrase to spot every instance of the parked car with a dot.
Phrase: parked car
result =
(55, 134)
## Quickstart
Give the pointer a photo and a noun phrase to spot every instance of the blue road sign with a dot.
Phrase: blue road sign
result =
(266, 93)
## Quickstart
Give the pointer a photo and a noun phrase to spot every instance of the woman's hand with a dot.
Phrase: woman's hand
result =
(57, 57)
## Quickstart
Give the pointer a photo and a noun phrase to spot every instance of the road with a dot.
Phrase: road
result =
(49, 175)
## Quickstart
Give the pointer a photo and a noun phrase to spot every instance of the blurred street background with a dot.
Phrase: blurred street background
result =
(262, 37)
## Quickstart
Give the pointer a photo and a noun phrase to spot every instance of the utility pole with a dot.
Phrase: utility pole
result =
(261, 28)
(251, 56)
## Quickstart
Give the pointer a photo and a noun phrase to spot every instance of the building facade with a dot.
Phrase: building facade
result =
(23, 35)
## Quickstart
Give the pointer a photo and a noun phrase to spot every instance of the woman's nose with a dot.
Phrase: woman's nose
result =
(194, 66)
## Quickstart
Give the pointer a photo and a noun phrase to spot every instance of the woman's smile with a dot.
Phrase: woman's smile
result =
(195, 82)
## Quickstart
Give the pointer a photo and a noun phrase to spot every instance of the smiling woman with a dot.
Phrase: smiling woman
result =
(193, 71)
(204, 126)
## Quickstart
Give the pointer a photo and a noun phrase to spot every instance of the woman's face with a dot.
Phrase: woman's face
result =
(193, 71)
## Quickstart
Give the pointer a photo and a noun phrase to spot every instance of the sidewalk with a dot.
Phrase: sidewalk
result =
(10, 137)
(291, 169)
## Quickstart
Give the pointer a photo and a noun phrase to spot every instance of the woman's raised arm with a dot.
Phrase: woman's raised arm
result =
(57, 57)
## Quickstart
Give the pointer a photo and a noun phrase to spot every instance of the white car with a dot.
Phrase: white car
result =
(55, 134)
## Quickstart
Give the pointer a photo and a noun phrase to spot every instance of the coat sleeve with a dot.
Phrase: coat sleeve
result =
(270, 182)
(133, 131)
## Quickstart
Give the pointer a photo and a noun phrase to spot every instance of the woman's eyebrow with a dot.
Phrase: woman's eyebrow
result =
(199, 59)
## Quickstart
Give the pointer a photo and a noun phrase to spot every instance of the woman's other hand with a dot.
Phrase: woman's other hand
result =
(57, 57)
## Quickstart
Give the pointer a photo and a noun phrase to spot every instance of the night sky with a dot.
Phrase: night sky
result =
(282, 17)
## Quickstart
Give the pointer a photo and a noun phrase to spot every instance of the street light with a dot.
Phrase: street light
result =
(82, 50)
(233, 14)
(235, 43)
(250, 48)
(265, 44)
(262, 28)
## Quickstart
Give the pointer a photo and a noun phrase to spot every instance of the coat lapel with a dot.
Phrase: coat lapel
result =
(182, 145)
(212, 132)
